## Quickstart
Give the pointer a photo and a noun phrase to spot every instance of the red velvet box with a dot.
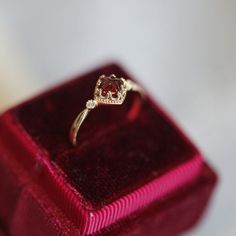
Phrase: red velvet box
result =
(124, 178)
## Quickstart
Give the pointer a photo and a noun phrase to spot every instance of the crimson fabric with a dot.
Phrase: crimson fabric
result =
(171, 215)
(109, 148)
(113, 158)
(37, 215)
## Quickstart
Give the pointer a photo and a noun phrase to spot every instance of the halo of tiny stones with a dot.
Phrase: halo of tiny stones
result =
(91, 104)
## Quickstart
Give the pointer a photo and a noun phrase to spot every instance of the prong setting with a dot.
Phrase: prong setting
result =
(113, 76)
(110, 90)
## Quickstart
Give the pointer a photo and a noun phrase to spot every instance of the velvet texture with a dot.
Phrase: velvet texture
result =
(171, 215)
(116, 171)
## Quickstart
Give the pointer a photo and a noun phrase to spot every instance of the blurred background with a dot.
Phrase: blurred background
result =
(183, 51)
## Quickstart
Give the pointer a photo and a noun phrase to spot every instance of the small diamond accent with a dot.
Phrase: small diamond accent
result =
(91, 104)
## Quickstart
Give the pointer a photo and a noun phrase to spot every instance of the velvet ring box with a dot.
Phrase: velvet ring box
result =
(123, 178)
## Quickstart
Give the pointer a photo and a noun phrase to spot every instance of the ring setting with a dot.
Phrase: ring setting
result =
(109, 90)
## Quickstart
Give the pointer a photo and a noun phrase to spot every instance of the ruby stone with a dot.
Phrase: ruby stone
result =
(112, 85)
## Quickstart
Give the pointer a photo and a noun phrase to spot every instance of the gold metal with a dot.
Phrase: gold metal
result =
(100, 99)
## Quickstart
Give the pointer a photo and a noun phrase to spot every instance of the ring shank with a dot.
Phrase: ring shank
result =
(77, 124)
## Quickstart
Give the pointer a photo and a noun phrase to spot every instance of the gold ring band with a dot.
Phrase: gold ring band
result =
(109, 90)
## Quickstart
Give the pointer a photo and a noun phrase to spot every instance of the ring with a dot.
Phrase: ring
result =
(109, 90)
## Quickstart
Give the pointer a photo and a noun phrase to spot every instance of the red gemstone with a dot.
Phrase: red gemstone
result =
(112, 85)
